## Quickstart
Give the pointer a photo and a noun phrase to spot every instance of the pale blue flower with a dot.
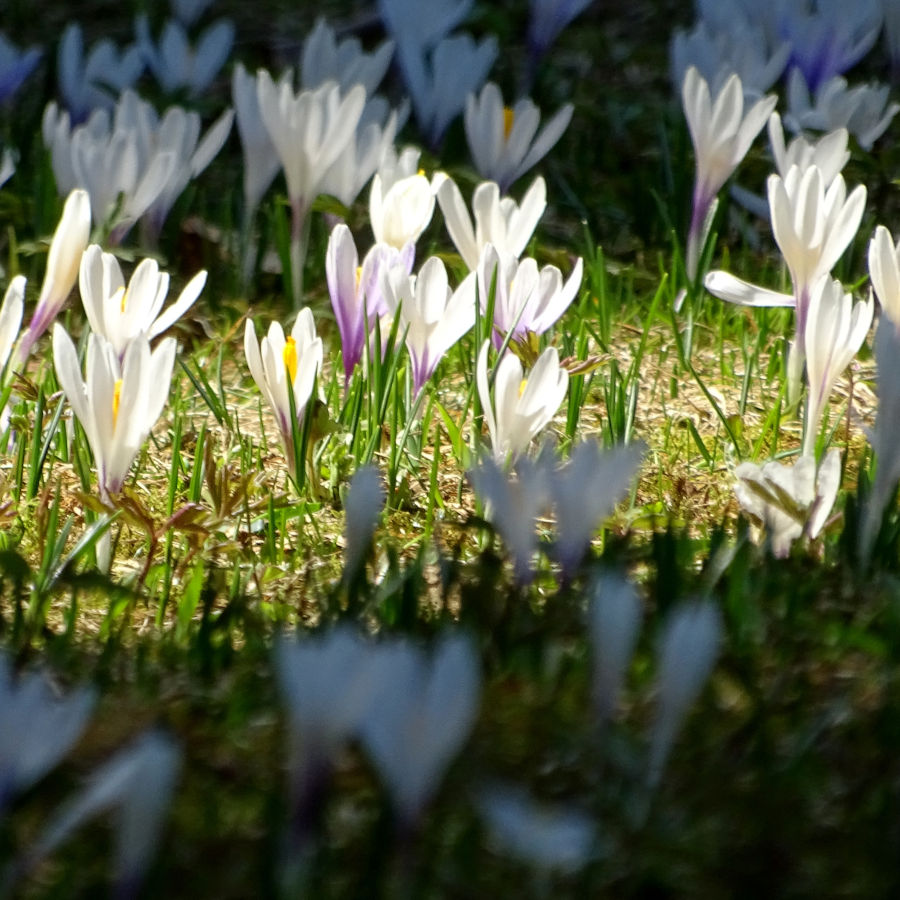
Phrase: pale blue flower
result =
(548, 19)
(15, 66)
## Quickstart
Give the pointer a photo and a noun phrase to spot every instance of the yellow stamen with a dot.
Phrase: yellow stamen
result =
(117, 396)
(289, 354)
(508, 118)
(358, 277)
(522, 385)
(420, 172)
(122, 295)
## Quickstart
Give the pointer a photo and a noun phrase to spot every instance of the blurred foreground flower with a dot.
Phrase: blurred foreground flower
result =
(512, 504)
(502, 222)
(362, 509)
(790, 501)
(551, 837)
(614, 621)
(136, 785)
(520, 407)
(277, 362)
(526, 300)
(688, 648)
(434, 316)
(118, 405)
(420, 717)
(721, 133)
(68, 244)
(122, 314)
(37, 728)
(504, 142)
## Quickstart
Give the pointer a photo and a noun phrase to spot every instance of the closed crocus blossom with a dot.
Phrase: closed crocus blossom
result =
(791, 501)
(69, 241)
(119, 313)
(884, 270)
(504, 142)
(420, 718)
(721, 134)
(499, 221)
(118, 405)
(434, 317)
(37, 728)
(687, 653)
(520, 407)
(355, 290)
(325, 58)
(526, 299)
(11, 317)
(512, 504)
(276, 361)
(835, 330)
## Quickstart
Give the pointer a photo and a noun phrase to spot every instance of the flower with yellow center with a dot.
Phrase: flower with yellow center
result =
(118, 404)
(504, 141)
(277, 361)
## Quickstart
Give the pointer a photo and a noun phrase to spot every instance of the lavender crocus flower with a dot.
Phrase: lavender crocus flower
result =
(548, 19)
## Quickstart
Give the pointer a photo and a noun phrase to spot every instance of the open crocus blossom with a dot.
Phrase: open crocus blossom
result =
(68, 244)
(37, 728)
(502, 222)
(277, 360)
(835, 330)
(420, 717)
(829, 153)
(520, 407)
(400, 204)
(434, 317)
(503, 141)
(355, 290)
(721, 134)
(526, 299)
(118, 405)
(119, 313)
(790, 501)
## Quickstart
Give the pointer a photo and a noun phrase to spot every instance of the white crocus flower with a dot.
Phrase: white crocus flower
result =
(790, 501)
(121, 314)
(504, 142)
(520, 407)
(117, 405)
(585, 491)
(835, 330)
(325, 58)
(687, 653)
(276, 360)
(136, 786)
(512, 504)
(37, 728)
(421, 717)
(614, 621)
(863, 110)
(400, 209)
(68, 244)
(829, 154)
(310, 130)
(499, 221)
(526, 299)
(11, 311)
(178, 66)
(550, 837)
(884, 270)
(721, 133)
(434, 317)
